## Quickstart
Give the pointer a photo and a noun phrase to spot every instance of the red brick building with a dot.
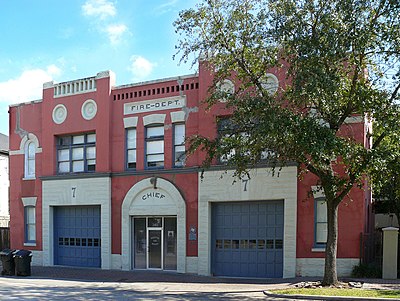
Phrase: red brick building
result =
(98, 179)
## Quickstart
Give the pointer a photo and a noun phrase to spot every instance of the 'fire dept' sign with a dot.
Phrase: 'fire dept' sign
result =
(168, 103)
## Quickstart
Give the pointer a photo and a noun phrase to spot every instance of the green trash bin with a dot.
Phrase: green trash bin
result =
(22, 259)
(7, 260)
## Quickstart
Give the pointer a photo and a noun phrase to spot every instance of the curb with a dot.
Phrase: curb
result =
(316, 297)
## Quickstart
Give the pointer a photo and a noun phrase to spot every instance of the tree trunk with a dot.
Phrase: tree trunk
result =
(330, 275)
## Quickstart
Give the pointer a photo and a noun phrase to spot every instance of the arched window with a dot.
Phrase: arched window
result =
(30, 151)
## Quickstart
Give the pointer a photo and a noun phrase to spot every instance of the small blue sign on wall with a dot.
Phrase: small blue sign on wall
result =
(193, 233)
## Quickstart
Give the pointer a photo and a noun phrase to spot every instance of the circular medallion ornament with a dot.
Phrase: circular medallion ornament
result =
(89, 109)
(270, 83)
(227, 88)
(59, 114)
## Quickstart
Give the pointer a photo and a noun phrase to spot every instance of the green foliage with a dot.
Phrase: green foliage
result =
(340, 59)
(359, 293)
(366, 271)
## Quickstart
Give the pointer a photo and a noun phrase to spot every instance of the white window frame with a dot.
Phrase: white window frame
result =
(29, 203)
(30, 160)
(88, 163)
(150, 140)
(320, 222)
(179, 145)
(131, 164)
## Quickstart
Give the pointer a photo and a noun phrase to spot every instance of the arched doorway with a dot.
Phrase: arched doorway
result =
(154, 226)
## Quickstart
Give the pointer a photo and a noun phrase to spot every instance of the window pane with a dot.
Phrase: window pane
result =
(31, 150)
(180, 148)
(63, 167)
(131, 139)
(321, 211)
(91, 153)
(91, 138)
(155, 131)
(64, 140)
(77, 153)
(91, 165)
(77, 166)
(78, 139)
(31, 235)
(157, 164)
(322, 232)
(31, 167)
(30, 215)
(180, 158)
(155, 147)
(179, 134)
(63, 155)
(155, 158)
(132, 156)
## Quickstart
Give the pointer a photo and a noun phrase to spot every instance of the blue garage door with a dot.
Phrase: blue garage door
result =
(247, 239)
(77, 236)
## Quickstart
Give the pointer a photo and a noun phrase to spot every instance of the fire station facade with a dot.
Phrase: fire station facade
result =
(98, 178)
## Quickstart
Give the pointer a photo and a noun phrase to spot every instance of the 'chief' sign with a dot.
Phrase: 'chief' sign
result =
(154, 105)
(153, 195)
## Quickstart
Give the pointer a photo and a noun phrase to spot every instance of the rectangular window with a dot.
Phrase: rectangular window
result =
(30, 224)
(235, 142)
(179, 145)
(155, 147)
(131, 148)
(76, 153)
(321, 222)
(30, 150)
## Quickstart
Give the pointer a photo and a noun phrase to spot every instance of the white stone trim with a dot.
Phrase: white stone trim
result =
(59, 114)
(178, 116)
(172, 204)
(318, 192)
(91, 191)
(29, 201)
(354, 119)
(262, 186)
(37, 258)
(130, 122)
(318, 250)
(314, 267)
(154, 119)
(30, 137)
(89, 109)
(29, 244)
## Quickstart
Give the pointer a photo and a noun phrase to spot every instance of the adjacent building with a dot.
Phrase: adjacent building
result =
(4, 182)
(99, 179)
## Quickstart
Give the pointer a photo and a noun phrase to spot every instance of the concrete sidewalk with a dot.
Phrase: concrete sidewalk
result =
(99, 275)
(67, 283)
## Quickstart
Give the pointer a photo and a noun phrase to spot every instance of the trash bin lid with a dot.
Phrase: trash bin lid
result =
(23, 253)
(6, 252)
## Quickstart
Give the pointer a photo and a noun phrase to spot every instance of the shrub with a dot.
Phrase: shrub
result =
(364, 270)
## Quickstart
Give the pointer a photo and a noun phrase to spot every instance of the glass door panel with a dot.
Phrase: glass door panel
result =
(170, 243)
(140, 243)
(155, 249)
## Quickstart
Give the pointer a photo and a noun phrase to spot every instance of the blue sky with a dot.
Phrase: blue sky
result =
(48, 40)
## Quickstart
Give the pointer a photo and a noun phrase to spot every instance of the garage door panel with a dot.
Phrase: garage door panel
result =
(77, 236)
(250, 244)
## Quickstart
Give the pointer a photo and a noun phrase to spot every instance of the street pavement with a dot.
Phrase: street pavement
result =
(64, 283)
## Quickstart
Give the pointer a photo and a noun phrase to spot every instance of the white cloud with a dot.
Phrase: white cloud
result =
(99, 9)
(166, 7)
(140, 67)
(115, 32)
(101, 14)
(28, 86)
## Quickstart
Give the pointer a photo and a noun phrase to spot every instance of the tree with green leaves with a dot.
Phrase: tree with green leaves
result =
(386, 176)
(341, 59)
